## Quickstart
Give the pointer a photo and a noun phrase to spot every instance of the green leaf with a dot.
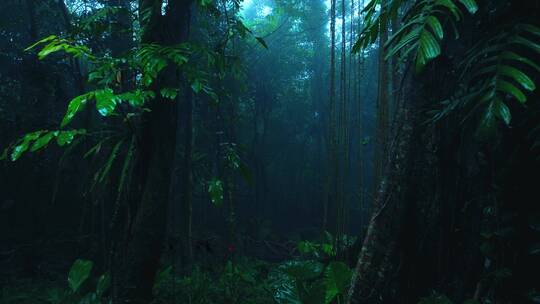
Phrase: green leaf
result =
(488, 122)
(24, 144)
(518, 76)
(471, 5)
(526, 42)
(428, 49)
(104, 282)
(404, 41)
(451, 7)
(502, 111)
(196, 85)
(106, 101)
(436, 26)
(169, 93)
(43, 141)
(79, 273)
(75, 106)
(507, 87)
(515, 57)
(204, 3)
(66, 137)
(215, 190)
(49, 49)
(337, 278)
(306, 247)
(4, 154)
(44, 40)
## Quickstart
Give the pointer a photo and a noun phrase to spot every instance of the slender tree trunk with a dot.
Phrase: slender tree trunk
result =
(382, 106)
(332, 130)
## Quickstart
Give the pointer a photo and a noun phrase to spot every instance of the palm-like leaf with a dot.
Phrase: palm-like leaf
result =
(495, 73)
(423, 30)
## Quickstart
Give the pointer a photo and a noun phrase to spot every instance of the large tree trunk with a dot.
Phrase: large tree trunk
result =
(379, 245)
(154, 159)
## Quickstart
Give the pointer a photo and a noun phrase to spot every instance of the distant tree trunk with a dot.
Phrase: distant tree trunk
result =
(320, 128)
(342, 142)
(332, 130)
(154, 159)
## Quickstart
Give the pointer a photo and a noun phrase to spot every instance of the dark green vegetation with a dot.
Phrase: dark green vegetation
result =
(269, 151)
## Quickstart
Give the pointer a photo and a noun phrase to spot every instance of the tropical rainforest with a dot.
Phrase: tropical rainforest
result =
(269, 151)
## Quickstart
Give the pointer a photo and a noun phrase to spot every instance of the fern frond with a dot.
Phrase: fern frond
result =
(423, 30)
(496, 72)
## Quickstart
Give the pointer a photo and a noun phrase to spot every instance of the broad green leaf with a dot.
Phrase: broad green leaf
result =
(43, 141)
(79, 273)
(24, 144)
(337, 277)
(66, 137)
(106, 101)
(75, 106)
(49, 49)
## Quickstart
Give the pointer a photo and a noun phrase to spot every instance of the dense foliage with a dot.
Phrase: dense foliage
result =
(269, 151)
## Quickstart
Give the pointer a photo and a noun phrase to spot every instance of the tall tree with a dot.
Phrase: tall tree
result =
(155, 154)
(381, 136)
(332, 175)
